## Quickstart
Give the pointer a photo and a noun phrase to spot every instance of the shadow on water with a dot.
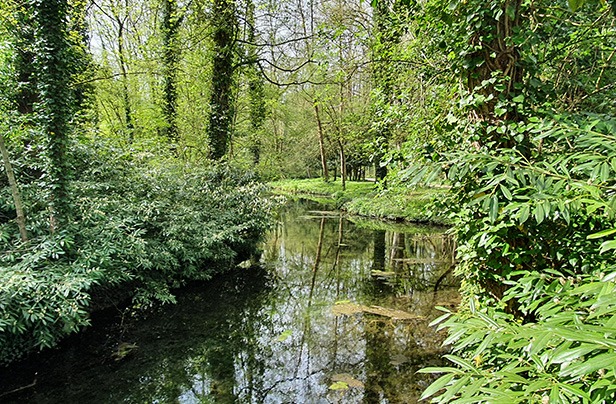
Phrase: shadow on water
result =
(336, 312)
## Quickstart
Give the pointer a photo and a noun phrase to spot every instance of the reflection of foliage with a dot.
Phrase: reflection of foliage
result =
(220, 343)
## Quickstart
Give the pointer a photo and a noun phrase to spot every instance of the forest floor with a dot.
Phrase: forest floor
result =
(365, 198)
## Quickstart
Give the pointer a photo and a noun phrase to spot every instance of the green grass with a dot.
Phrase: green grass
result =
(364, 198)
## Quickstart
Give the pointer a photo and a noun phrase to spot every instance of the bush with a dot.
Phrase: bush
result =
(527, 226)
(148, 228)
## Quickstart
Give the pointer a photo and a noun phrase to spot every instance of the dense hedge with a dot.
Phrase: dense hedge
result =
(132, 227)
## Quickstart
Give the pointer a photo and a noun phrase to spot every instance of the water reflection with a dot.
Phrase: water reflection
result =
(270, 335)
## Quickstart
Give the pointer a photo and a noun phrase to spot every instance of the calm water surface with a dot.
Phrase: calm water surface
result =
(335, 312)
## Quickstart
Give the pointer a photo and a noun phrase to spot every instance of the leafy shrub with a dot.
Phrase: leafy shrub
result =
(566, 355)
(131, 224)
(527, 225)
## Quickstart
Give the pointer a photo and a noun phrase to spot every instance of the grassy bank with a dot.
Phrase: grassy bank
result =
(365, 198)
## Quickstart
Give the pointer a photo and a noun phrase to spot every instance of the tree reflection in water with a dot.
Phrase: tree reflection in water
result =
(269, 334)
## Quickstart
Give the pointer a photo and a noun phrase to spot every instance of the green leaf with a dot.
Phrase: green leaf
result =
(506, 192)
(438, 384)
(524, 214)
(576, 391)
(494, 205)
(601, 234)
(284, 336)
(608, 245)
(339, 386)
(539, 213)
(590, 365)
(463, 363)
(518, 98)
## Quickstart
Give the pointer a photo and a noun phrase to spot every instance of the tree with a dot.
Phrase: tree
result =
(224, 25)
(54, 70)
(170, 26)
(256, 86)
(19, 208)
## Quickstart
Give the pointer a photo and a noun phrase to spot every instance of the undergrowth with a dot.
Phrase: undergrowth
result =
(151, 228)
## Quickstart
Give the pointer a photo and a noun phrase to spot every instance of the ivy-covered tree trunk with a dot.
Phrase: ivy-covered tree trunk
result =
(170, 28)
(495, 80)
(221, 99)
(494, 72)
(54, 70)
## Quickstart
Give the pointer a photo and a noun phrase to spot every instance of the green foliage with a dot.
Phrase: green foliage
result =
(565, 355)
(136, 228)
(532, 201)
(540, 311)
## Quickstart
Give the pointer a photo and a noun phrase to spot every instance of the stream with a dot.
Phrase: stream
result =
(336, 310)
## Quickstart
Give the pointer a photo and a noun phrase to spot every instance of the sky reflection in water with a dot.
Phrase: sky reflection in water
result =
(270, 334)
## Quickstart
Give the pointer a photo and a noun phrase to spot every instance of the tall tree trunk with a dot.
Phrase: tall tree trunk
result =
(221, 100)
(343, 171)
(21, 217)
(170, 28)
(56, 107)
(128, 115)
(321, 142)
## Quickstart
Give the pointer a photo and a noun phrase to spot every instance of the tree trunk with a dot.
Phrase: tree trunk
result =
(221, 98)
(55, 67)
(321, 142)
(170, 28)
(256, 89)
(501, 61)
(128, 115)
(343, 173)
(21, 217)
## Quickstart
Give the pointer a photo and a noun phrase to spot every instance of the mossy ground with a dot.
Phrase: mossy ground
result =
(365, 198)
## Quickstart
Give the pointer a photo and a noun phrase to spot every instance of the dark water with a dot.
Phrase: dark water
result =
(318, 321)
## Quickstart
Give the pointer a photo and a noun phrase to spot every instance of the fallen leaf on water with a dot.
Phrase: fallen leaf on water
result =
(339, 386)
(284, 336)
(348, 309)
(347, 379)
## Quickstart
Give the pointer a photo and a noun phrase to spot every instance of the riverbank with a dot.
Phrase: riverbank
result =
(365, 198)
(335, 312)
